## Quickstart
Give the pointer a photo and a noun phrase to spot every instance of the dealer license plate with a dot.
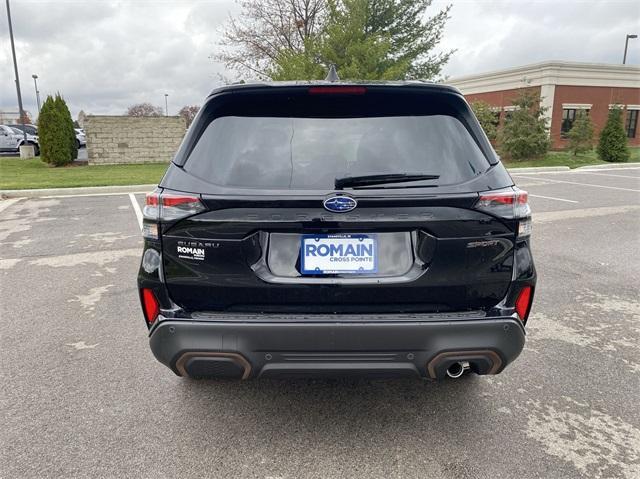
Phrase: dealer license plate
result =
(339, 254)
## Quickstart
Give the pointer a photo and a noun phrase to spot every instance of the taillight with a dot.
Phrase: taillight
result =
(337, 90)
(167, 207)
(174, 207)
(509, 204)
(523, 303)
(150, 305)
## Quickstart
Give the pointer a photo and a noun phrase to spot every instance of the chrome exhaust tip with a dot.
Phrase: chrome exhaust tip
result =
(457, 369)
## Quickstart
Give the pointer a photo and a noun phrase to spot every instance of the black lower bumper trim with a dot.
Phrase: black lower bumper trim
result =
(298, 349)
(369, 370)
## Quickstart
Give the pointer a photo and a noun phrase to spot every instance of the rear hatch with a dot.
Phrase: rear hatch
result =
(274, 232)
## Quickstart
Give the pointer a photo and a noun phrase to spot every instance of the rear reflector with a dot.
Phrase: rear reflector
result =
(337, 90)
(150, 305)
(523, 303)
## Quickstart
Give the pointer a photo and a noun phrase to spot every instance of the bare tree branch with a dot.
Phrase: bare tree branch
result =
(265, 28)
(144, 109)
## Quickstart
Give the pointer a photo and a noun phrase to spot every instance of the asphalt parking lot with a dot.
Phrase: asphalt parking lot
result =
(82, 395)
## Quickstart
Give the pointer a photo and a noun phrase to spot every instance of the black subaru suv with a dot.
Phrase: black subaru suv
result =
(336, 229)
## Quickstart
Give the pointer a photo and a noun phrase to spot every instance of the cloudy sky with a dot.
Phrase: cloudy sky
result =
(105, 55)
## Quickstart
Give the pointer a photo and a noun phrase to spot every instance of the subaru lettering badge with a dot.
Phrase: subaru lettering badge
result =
(340, 204)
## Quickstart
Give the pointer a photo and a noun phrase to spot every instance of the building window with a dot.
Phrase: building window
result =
(508, 112)
(632, 123)
(568, 117)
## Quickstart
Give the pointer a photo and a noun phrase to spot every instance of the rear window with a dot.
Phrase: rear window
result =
(310, 153)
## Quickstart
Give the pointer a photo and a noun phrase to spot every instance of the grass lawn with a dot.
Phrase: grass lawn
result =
(34, 173)
(565, 158)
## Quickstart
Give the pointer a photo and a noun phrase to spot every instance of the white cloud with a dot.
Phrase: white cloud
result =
(495, 34)
(103, 56)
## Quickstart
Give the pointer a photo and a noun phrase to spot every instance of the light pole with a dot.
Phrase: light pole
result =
(35, 82)
(166, 105)
(626, 45)
(15, 67)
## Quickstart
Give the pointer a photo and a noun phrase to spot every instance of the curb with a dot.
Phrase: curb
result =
(538, 169)
(609, 166)
(77, 191)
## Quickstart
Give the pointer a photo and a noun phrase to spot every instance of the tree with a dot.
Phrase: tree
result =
(365, 39)
(267, 29)
(487, 118)
(24, 118)
(525, 134)
(612, 146)
(344, 43)
(581, 134)
(53, 134)
(145, 109)
(65, 114)
(413, 35)
(358, 51)
(81, 118)
(189, 113)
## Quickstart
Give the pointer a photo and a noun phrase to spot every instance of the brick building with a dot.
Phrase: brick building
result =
(564, 88)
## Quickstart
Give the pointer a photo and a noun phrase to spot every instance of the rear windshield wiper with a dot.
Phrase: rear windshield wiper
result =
(371, 180)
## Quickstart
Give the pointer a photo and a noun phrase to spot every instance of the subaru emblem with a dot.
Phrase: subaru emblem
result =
(339, 204)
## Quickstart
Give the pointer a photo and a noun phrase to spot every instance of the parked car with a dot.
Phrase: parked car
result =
(332, 229)
(81, 139)
(12, 138)
(29, 128)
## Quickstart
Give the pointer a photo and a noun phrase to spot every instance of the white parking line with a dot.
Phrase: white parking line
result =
(136, 208)
(624, 168)
(590, 184)
(552, 198)
(526, 184)
(83, 195)
(594, 172)
(568, 172)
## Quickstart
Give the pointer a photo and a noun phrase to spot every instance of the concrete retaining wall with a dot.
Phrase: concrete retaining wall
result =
(129, 139)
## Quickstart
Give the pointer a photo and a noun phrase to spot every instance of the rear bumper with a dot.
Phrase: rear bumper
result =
(301, 349)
